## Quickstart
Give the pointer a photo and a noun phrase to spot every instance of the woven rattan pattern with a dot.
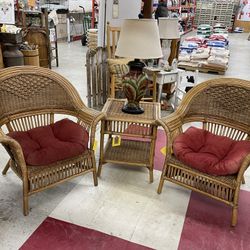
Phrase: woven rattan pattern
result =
(114, 112)
(31, 92)
(223, 106)
(30, 97)
(227, 101)
(25, 86)
(129, 151)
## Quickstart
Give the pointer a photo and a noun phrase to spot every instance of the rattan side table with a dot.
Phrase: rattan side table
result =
(137, 133)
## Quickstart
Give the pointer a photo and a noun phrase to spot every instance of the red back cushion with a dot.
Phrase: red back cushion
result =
(209, 153)
(49, 144)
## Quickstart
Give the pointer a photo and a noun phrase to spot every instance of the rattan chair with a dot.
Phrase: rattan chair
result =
(221, 106)
(31, 97)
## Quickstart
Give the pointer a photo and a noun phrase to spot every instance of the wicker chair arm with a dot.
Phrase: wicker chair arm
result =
(172, 125)
(15, 151)
(245, 164)
(91, 118)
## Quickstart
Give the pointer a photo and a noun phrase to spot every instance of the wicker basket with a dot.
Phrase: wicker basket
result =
(31, 57)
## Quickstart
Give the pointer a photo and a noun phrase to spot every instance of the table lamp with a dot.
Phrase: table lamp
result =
(169, 30)
(139, 39)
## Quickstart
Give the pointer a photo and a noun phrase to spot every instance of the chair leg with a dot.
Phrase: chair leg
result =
(160, 186)
(25, 198)
(234, 216)
(94, 168)
(243, 180)
(99, 170)
(112, 86)
(159, 190)
(6, 168)
(95, 177)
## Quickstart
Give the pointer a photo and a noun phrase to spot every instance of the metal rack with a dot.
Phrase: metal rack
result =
(186, 11)
(214, 11)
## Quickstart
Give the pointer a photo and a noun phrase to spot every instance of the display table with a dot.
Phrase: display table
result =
(136, 135)
(162, 77)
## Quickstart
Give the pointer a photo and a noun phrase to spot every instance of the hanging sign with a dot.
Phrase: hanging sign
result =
(115, 9)
(7, 12)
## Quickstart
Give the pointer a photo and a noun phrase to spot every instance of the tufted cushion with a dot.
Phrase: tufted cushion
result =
(209, 153)
(52, 143)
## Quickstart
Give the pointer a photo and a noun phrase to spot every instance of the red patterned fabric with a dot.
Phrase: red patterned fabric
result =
(209, 153)
(52, 143)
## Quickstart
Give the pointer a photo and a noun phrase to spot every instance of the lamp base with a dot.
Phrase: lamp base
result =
(132, 109)
(136, 66)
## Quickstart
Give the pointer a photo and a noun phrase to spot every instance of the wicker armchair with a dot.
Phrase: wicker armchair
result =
(221, 106)
(30, 97)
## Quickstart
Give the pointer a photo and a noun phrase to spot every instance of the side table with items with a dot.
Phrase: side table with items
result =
(162, 77)
(131, 137)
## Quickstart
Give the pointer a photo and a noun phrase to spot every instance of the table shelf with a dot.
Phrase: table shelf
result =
(136, 153)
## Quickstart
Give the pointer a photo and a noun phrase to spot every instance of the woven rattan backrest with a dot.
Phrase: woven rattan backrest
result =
(223, 101)
(26, 89)
(112, 39)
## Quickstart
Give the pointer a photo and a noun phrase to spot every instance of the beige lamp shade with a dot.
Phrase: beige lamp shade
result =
(168, 28)
(139, 38)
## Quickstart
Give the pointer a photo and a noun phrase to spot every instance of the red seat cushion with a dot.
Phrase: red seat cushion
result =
(52, 143)
(209, 153)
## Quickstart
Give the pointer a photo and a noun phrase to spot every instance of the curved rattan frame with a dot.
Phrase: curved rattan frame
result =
(231, 119)
(55, 95)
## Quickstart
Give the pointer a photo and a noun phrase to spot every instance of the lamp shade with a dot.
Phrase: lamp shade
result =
(168, 28)
(139, 38)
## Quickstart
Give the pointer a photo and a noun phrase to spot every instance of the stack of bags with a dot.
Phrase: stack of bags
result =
(194, 59)
(220, 29)
(199, 52)
(92, 37)
(204, 30)
(218, 58)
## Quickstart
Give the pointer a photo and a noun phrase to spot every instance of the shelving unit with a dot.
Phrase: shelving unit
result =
(186, 11)
(215, 11)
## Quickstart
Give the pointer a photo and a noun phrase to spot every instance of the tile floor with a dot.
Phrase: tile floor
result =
(123, 204)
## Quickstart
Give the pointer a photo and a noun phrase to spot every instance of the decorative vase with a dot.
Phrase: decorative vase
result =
(134, 89)
(12, 56)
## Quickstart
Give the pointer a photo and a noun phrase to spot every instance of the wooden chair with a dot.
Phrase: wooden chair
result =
(113, 34)
(31, 97)
(221, 106)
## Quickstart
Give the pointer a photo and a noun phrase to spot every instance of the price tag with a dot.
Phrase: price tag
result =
(95, 145)
(116, 141)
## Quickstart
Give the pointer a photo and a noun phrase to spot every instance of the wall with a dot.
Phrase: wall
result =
(127, 9)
